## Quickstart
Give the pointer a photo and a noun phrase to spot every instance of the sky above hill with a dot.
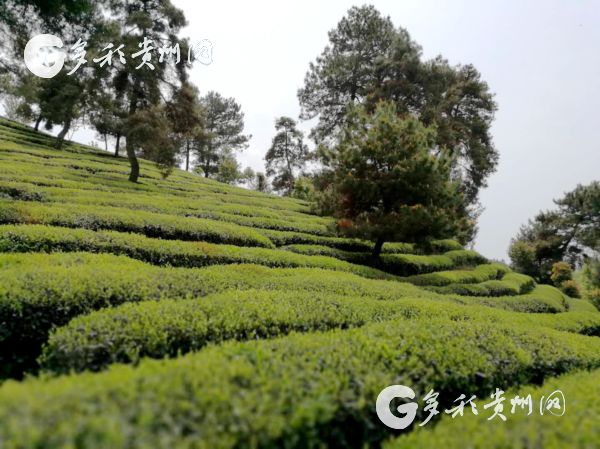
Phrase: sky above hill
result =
(540, 58)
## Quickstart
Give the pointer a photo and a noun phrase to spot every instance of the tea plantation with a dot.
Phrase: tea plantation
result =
(186, 313)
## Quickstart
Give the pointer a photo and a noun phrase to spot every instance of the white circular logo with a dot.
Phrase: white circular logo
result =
(385, 398)
(38, 65)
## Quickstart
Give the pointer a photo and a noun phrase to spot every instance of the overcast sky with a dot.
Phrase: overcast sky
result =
(540, 58)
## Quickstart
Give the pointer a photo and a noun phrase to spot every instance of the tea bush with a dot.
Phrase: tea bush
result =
(306, 390)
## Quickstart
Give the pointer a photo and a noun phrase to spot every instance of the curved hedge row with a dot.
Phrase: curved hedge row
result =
(298, 240)
(413, 264)
(39, 291)
(577, 428)
(542, 299)
(511, 284)
(480, 273)
(167, 328)
(38, 238)
(306, 391)
(28, 238)
(116, 219)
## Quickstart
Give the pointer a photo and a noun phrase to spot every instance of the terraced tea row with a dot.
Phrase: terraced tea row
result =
(41, 291)
(297, 391)
(578, 427)
(169, 328)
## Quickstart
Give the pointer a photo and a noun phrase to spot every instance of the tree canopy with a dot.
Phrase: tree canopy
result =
(287, 155)
(388, 184)
(222, 134)
(571, 233)
(368, 59)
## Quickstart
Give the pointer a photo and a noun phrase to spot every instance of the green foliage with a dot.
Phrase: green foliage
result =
(542, 299)
(510, 284)
(286, 155)
(362, 63)
(152, 137)
(565, 234)
(316, 373)
(591, 272)
(570, 288)
(320, 338)
(394, 260)
(186, 117)
(221, 135)
(561, 272)
(40, 291)
(480, 273)
(160, 252)
(168, 328)
(261, 183)
(386, 183)
(304, 189)
(117, 219)
(576, 428)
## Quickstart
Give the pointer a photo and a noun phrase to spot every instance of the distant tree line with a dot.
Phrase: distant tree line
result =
(158, 114)
(568, 236)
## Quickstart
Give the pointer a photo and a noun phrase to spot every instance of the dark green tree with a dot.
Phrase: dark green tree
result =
(146, 84)
(186, 117)
(368, 60)
(260, 183)
(222, 133)
(153, 137)
(569, 234)
(388, 185)
(108, 117)
(286, 156)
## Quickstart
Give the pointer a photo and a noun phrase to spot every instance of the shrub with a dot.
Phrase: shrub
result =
(522, 282)
(314, 390)
(40, 291)
(542, 299)
(570, 288)
(161, 252)
(167, 328)
(561, 272)
(146, 223)
(479, 274)
(577, 428)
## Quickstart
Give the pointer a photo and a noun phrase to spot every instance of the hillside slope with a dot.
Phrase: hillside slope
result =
(185, 313)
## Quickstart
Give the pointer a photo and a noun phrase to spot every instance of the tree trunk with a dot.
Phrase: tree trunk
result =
(129, 148)
(377, 248)
(105, 143)
(187, 155)
(61, 135)
(133, 161)
(117, 145)
(37, 122)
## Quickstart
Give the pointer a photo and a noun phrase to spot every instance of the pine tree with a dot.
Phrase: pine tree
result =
(388, 185)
